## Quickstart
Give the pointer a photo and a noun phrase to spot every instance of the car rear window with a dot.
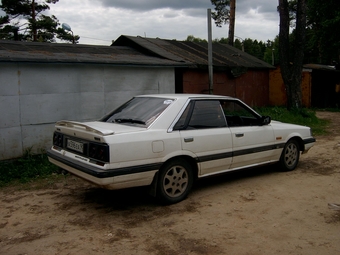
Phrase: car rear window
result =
(138, 111)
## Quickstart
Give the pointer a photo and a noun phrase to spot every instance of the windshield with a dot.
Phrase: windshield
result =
(138, 111)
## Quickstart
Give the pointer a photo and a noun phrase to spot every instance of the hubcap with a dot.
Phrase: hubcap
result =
(175, 181)
(291, 154)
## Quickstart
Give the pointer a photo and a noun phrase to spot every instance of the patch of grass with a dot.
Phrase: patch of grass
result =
(24, 169)
(329, 109)
(305, 117)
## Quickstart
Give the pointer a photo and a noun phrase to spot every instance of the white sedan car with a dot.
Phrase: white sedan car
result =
(168, 141)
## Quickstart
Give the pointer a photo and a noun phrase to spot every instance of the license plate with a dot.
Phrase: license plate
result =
(76, 146)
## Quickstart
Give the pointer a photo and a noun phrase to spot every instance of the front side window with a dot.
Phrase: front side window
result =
(201, 114)
(138, 111)
(238, 114)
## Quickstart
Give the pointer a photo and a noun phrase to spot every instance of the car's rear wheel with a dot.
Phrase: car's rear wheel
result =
(290, 156)
(175, 181)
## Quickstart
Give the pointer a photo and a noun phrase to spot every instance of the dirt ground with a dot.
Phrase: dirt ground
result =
(257, 211)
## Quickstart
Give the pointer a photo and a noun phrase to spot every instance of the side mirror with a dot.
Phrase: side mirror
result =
(265, 120)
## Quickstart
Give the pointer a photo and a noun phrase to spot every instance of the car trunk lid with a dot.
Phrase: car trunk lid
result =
(95, 127)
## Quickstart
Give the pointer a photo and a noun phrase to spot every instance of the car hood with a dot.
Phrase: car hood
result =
(102, 128)
(278, 124)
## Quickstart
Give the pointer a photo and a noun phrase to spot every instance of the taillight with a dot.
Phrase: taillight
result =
(95, 151)
(99, 152)
(58, 139)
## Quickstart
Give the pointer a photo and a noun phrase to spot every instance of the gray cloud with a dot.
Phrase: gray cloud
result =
(266, 7)
(242, 6)
(100, 21)
(147, 5)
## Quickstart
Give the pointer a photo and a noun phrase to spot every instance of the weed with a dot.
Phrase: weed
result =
(25, 168)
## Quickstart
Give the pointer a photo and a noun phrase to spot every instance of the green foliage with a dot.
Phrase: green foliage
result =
(222, 40)
(222, 12)
(26, 168)
(323, 31)
(302, 116)
(271, 51)
(191, 38)
(259, 49)
(25, 21)
(237, 44)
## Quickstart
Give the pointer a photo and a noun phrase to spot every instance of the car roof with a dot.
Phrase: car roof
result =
(187, 96)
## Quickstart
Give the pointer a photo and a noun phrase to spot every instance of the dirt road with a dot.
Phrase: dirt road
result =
(258, 211)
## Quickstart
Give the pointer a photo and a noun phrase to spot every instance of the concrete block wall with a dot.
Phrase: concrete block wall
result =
(34, 96)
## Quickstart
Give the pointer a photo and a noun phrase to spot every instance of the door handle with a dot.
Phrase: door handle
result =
(189, 139)
(239, 135)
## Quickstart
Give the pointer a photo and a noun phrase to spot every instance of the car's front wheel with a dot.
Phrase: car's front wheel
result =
(175, 181)
(290, 156)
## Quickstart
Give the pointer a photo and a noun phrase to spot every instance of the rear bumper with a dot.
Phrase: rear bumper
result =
(106, 178)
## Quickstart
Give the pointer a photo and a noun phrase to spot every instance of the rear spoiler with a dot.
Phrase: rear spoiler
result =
(79, 125)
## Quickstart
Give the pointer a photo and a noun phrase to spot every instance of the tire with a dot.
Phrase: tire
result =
(175, 181)
(290, 156)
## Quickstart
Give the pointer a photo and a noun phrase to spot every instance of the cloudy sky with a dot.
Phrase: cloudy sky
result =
(101, 21)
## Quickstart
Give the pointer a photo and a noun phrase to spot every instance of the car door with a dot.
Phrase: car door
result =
(253, 142)
(204, 132)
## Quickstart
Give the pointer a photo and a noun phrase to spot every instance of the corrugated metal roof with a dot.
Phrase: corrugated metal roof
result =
(13, 51)
(132, 50)
(224, 56)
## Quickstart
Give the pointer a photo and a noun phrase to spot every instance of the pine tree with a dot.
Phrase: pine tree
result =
(37, 26)
(292, 71)
(225, 13)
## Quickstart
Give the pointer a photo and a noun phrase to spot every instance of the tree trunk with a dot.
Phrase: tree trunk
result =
(232, 22)
(34, 26)
(292, 72)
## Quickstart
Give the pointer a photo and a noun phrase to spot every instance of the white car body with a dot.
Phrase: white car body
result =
(132, 154)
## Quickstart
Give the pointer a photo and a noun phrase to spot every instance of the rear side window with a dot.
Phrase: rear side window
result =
(202, 114)
(138, 111)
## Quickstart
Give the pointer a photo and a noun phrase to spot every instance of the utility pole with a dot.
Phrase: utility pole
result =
(210, 59)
